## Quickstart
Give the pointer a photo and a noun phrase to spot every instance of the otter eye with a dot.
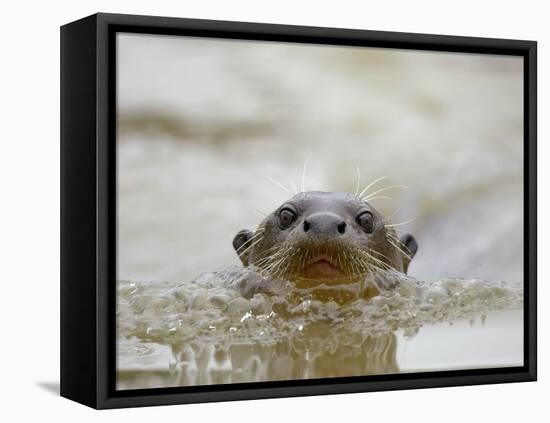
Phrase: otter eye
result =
(366, 221)
(286, 218)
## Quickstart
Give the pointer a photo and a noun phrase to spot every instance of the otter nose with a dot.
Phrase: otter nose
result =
(324, 223)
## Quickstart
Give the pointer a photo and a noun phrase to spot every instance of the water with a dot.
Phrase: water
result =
(206, 332)
(202, 126)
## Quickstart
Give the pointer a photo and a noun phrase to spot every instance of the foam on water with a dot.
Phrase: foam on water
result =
(234, 326)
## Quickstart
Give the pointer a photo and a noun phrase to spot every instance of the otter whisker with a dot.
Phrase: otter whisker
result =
(293, 186)
(347, 260)
(275, 259)
(362, 266)
(371, 266)
(366, 266)
(279, 184)
(351, 262)
(289, 262)
(368, 259)
(262, 261)
(275, 249)
(370, 185)
(398, 248)
(381, 197)
(279, 247)
(397, 240)
(265, 261)
(266, 269)
(274, 270)
(368, 197)
(261, 213)
(255, 236)
(248, 241)
(390, 235)
(359, 266)
(303, 261)
(393, 225)
(339, 260)
(240, 251)
(271, 269)
(383, 256)
(256, 242)
(269, 260)
(276, 256)
(358, 180)
(400, 245)
(251, 239)
(304, 176)
(383, 264)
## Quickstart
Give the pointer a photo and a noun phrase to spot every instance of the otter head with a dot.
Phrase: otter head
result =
(328, 236)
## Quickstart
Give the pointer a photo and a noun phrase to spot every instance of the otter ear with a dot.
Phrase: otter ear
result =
(241, 242)
(412, 247)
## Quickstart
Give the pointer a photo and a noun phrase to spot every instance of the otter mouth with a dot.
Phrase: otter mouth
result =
(322, 267)
(333, 263)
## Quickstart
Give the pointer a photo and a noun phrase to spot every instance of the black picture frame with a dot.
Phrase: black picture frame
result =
(88, 209)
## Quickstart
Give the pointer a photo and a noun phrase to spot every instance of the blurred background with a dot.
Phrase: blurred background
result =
(203, 124)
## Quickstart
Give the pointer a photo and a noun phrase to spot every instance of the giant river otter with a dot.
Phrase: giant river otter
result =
(324, 237)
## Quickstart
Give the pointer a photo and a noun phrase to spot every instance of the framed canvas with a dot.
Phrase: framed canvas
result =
(256, 210)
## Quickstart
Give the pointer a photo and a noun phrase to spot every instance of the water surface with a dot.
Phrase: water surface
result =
(206, 332)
